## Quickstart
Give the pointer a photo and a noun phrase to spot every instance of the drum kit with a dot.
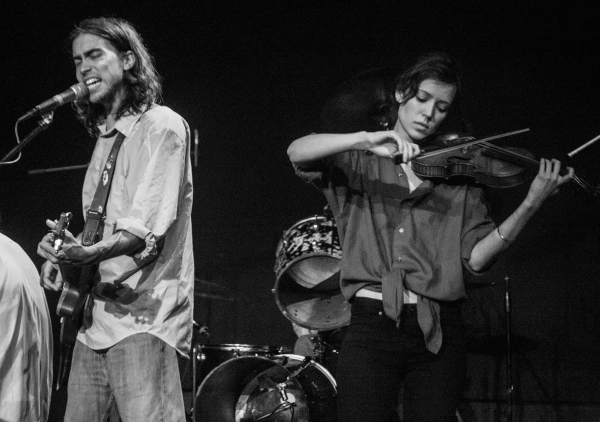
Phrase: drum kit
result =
(243, 382)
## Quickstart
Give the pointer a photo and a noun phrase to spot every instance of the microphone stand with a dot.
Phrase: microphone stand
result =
(509, 410)
(42, 124)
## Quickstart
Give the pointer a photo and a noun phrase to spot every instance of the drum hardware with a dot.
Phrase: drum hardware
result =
(281, 408)
(321, 348)
(326, 347)
(308, 361)
(286, 404)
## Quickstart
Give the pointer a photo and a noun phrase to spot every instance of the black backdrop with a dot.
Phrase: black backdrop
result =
(251, 78)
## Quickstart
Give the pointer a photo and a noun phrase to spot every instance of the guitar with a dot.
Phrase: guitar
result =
(72, 299)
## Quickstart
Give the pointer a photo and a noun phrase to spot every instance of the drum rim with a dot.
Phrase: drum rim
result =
(304, 324)
(346, 315)
(305, 220)
(231, 346)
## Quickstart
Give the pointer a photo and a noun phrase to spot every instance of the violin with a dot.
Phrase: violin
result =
(452, 156)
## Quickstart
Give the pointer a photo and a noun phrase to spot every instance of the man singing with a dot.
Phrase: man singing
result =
(139, 312)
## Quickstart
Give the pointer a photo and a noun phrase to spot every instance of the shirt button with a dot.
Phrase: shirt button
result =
(400, 174)
(401, 230)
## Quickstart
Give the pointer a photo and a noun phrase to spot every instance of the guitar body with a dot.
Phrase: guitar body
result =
(70, 308)
(71, 304)
(67, 302)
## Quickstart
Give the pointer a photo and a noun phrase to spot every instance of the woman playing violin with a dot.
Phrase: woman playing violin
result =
(406, 242)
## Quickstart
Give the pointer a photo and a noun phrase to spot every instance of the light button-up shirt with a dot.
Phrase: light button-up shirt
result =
(151, 195)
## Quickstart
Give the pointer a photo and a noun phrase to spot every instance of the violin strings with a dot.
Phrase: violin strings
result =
(509, 153)
(585, 185)
(473, 142)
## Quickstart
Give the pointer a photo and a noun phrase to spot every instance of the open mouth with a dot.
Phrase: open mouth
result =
(92, 82)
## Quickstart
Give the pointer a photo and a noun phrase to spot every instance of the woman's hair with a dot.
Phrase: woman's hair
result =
(142, 82)
(435, 65)
(440, 67)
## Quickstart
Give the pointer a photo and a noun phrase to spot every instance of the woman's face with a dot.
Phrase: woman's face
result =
(422, 114)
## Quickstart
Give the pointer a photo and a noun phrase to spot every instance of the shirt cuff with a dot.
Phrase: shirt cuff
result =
(469, 243)
(132, 226)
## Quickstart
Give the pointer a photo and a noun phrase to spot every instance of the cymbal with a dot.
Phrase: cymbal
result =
(202, 282)
(214, 296)
(211, 290)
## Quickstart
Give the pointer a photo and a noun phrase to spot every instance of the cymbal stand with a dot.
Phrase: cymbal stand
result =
(196, 356)
(509, 382)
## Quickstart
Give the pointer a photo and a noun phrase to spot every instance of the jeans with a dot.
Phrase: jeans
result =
(138, 378)
(376, 356)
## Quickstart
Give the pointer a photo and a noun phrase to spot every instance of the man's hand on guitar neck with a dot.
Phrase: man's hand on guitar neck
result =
(50, 275)
(71, 253)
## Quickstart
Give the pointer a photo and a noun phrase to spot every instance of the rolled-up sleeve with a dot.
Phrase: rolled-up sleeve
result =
(312, 173)
(477, 224)
(154, 203)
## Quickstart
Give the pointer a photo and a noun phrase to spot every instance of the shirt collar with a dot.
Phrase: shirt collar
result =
(124, 125)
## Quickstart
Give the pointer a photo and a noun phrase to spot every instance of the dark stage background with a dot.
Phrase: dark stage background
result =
(251, 78)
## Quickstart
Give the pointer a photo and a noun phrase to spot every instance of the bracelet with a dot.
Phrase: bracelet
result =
(508, 242)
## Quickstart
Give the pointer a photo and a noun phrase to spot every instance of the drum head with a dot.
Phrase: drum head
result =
(308, 269)
(248, 387)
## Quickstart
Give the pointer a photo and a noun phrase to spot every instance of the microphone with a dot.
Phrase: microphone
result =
(74, 93)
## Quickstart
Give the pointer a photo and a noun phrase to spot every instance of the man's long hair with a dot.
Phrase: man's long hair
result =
(142, 83)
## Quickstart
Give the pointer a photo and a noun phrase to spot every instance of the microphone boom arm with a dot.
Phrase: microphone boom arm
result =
(44, 122)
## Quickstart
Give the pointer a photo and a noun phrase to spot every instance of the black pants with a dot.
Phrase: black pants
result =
(376, 356)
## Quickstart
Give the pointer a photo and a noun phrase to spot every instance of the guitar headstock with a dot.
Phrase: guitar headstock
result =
(58, 234)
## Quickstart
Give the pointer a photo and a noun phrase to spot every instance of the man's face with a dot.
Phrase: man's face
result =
(100, 66)
(423, 113)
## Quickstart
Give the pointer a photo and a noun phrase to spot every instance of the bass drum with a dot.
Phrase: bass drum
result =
(307, 271)
(212, 355)
(287, 388)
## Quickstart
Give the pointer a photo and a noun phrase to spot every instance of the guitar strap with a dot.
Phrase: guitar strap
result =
(97, 210)
(91, 235)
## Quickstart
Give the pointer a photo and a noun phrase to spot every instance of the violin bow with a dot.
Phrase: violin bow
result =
(466, 144)
(582, 147)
